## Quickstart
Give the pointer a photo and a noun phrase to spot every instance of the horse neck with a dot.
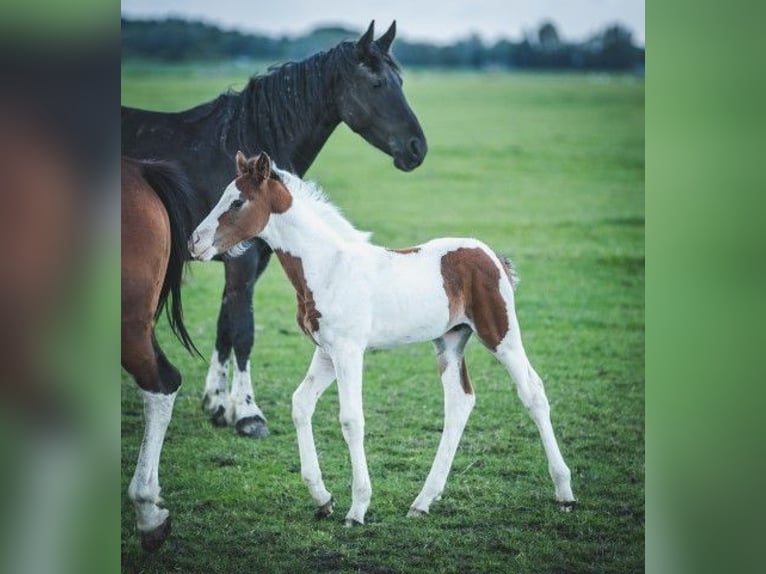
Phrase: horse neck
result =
(294, 110)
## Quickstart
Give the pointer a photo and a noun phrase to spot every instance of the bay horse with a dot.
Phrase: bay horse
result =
(155, 224)
(353, 295)
(290, 113)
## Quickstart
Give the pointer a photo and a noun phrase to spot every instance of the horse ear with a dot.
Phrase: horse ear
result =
(384, 42)
(242, 167)
(262, 168)
(362, 46)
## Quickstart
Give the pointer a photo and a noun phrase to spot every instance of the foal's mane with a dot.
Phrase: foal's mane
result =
(311, 193)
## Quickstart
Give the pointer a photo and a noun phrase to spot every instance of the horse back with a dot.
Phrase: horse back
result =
(196, 139)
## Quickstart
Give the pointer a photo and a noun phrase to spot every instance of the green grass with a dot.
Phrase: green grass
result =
(548, 169)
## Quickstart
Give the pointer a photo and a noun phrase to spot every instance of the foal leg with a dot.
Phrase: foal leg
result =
(458, 404)
(348, 362)
(530, 389)
(320, 375)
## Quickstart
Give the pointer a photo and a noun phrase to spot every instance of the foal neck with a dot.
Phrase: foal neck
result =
(303, 229)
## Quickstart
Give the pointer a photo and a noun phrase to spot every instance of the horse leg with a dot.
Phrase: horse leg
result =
(458, 404)
(235, 330)
(241, 275)
(348, 361)
(320, 375)
(159, 381)
(214, 396)
(529, 387)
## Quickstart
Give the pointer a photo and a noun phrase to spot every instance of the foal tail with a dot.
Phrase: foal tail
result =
(510, 270)
(175, 192)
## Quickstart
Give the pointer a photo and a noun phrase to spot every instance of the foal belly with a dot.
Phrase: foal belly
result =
(415, 314)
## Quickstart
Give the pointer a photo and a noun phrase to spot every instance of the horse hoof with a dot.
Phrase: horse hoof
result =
(416, 512)
(352, 522)
(567, 505)
(325, 510)
(219, 417)
(151, 540)
(254, 427)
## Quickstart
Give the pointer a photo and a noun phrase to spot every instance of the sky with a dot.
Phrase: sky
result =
(439, 21)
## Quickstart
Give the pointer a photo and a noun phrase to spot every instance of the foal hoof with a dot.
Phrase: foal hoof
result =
(325, 510)
(415, 512)
(218, 418)
(567, 505)
(151, 540)
(351, 522)
(254, 427)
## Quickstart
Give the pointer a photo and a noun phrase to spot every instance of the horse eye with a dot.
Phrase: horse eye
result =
(377, 84)
(236, 205)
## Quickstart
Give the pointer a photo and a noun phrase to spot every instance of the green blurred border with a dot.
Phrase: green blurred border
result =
(705, 285)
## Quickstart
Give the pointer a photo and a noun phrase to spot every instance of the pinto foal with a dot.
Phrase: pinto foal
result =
(353, 295)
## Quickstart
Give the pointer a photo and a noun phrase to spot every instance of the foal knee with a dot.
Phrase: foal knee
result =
(351, 424)
(303, 409)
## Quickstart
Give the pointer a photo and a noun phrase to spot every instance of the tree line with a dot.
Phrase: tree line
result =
(178, 40)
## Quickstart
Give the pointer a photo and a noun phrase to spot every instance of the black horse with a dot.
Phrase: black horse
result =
(289, 113)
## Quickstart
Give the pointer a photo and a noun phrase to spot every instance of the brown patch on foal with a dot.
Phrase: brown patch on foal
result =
(472, 285)
(308, 315)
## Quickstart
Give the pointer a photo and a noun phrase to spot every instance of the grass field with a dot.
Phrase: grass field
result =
(548, 169)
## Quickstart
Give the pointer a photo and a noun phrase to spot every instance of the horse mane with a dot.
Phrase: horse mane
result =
(286, 97)
(311, 193)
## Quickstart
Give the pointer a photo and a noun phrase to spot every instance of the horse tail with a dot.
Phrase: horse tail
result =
(174, 190)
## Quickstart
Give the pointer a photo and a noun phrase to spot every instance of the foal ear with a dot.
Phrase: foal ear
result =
(362, 46)
(262, 168)
(242, 167)
(384, 42)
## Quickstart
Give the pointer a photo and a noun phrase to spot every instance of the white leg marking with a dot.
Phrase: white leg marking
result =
(144, 489)
(348, 367)
(214, 397)
(241, 402)
(530, 389)
(457, 408)
(320, 375)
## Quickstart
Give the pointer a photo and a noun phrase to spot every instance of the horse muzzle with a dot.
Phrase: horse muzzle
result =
(412, 155)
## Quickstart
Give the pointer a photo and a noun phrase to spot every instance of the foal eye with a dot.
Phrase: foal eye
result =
(236, 205)
(377, 84)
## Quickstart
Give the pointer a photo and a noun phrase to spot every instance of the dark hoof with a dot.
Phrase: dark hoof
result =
(325, 510)
(153, 539)
(219, 418)
(567, 505)
(254, 427)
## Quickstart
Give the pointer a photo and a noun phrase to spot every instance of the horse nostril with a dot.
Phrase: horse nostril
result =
(416, 147)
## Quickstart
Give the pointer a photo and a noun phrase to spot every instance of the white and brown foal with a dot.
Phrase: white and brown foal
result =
(353, 295)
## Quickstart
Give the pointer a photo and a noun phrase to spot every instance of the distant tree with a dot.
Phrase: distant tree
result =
(548, 37)
(174, 39)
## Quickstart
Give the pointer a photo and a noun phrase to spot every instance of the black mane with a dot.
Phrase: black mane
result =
(278, 103)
